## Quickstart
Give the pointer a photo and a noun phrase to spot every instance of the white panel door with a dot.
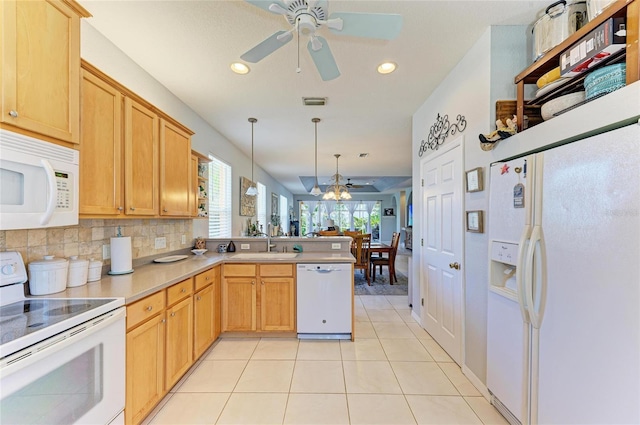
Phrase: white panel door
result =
(442, 222)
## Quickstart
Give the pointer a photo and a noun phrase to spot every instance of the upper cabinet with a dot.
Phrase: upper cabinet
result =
(40, 79)
(176, 178)
(134, 160)
(140, 159)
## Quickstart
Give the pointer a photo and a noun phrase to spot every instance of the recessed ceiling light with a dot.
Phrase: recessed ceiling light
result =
(386, 67)
(240, 68)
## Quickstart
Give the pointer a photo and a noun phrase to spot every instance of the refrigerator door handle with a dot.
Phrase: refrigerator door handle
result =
(521, 273)
(536, 251)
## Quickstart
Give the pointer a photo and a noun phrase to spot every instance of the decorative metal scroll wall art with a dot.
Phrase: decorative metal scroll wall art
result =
(440, 130)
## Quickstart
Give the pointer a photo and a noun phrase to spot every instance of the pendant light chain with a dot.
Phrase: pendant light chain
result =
(315, 191)
(252, 190)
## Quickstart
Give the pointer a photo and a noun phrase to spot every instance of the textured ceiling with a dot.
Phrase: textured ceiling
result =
(189, 45)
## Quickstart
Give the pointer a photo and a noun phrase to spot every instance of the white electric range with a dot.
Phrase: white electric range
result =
(62, 360)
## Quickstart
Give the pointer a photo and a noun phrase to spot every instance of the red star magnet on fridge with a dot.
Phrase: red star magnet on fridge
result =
(504, 169)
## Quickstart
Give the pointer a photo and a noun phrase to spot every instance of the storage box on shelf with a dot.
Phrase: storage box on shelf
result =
(630, 55)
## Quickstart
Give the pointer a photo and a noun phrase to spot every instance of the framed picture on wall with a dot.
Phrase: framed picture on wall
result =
(275, 204)
(475, 221)
(474, 180)
(388, 212)
(247, 203)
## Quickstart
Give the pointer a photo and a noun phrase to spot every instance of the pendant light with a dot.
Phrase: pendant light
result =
(337, 191)
(316, 189)
(252, 190)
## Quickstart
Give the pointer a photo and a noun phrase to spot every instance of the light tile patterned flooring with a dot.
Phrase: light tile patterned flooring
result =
(394, 373)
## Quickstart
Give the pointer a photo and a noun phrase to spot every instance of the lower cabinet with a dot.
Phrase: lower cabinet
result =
(271, 308)
(166, 332)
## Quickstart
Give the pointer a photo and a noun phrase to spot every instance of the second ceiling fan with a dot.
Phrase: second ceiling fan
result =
(307, 16)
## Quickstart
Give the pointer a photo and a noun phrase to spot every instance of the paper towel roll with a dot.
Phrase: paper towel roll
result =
(121, 255)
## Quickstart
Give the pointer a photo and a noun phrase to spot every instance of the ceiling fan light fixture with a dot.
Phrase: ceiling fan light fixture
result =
(252, 190)
(387, 67)
(240, 68)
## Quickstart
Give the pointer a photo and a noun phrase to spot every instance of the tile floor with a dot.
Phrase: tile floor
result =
(394, 373)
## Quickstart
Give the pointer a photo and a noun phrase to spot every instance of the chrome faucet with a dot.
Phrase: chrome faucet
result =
(269, 244)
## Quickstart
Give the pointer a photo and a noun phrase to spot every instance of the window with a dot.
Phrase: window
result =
(219, 199)
(261, 206)
(284, 215)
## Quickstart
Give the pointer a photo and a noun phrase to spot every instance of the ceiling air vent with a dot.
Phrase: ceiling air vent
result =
(314, 101)
(363, 155)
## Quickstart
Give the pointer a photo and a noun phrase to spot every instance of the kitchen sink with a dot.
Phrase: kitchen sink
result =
(264, 256)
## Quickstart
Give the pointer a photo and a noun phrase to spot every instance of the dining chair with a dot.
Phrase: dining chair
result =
(360, 251)
(387, 261)
(352, 233)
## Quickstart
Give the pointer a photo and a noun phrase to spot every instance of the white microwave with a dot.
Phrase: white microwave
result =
(38, 183)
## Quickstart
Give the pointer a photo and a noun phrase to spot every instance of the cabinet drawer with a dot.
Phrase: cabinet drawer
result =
(239, 270)
(205, 278)
(179, 291)
(267, 270)
(144, 309)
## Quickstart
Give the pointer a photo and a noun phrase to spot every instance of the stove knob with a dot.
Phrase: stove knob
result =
(8, 269)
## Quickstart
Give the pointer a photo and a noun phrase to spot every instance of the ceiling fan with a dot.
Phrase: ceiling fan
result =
(353, 186)
(307, 16)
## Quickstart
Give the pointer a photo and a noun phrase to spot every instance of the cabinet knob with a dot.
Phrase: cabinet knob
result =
(13, 113)
(163, 321)
(206, 278)
(253, 282)
(198, 298)
(183, 290)
(165, 210)
(132, 208)
(149, 308)
(262, 282)
(120, 208)
(173, 314)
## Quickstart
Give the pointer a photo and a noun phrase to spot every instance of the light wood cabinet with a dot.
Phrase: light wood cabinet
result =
(245, 308)
(176, 180)
(40, 79)
(206, 310)
(140, 159)
(145, 357)
(101, 148)
(179, 344)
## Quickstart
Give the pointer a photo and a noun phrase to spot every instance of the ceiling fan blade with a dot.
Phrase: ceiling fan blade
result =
(264, 5)
(324, 61)
(370, 25)
(267, 47)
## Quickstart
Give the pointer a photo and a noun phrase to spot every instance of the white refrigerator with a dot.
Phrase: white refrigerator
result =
(564, 295)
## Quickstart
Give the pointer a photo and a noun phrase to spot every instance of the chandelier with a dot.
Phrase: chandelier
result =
(337, 191)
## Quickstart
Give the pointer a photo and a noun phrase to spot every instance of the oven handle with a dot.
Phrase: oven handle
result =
(30, 355)
(53, 190)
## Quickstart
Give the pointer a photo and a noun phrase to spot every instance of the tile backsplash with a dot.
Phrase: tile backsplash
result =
(87, 239)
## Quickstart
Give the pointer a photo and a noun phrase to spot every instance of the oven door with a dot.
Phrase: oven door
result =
(76, 376)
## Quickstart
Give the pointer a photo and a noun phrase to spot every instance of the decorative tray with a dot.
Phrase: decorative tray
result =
(170, 258)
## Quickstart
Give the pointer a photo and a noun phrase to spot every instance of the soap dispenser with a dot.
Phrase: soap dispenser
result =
(231, 247)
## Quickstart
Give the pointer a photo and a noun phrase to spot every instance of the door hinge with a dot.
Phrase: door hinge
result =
(421, 241)
(422, 302)
(422, 182)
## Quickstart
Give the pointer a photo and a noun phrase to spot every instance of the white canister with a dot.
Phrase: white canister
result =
(48, 276)
(78, 272)
(95, 270)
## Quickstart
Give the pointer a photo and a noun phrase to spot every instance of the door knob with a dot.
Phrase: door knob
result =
(455, 265)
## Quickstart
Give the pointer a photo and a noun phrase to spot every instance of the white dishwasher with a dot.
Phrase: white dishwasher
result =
(324, 301)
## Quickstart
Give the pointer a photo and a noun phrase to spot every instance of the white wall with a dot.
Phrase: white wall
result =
(100, 52)
(484, 75)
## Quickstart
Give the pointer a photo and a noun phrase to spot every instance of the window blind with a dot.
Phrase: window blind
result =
(219, 199)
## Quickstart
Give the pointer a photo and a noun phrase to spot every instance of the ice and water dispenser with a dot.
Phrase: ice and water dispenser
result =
(504, 258)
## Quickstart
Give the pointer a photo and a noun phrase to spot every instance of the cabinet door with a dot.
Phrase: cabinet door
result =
(176, 182)
(179, 345)
(239, 304)
(145, 369)
(101, 149)
(140, 159)
(41, 67)
(203, 321)
(277, 304)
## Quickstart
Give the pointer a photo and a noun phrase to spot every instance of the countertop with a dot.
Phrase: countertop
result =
(153, 277)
